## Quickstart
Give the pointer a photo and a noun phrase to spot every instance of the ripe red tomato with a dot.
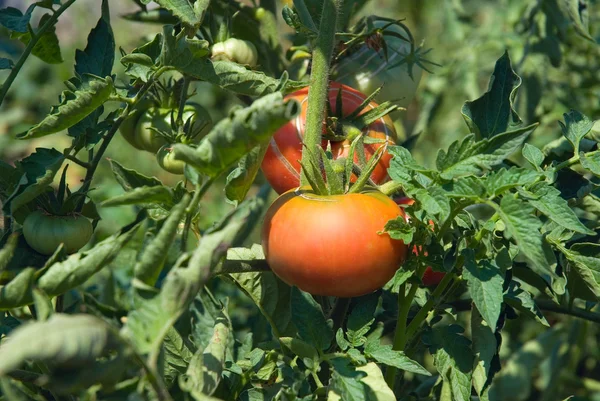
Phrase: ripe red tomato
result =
(330, 245)
(430, 277)
(281, 166)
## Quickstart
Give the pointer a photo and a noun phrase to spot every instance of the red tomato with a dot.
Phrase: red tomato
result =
(330, 245)
(430, 277)
(281, 163)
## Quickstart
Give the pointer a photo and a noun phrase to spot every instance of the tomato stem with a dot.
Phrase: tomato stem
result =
(319, 80)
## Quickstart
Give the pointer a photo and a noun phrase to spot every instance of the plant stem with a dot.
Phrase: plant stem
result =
(390, 187)
(319, 80)
(339, 311)
(77, 161)
(35, 37)
(182, 99)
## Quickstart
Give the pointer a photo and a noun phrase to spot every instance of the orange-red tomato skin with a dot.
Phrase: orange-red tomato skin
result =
(329, 245)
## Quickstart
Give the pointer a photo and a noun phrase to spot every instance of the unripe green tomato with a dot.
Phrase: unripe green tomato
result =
(237, 50)
(165, 159)
(128, 129)
(367, 69)
(44, 232)
(161, 119)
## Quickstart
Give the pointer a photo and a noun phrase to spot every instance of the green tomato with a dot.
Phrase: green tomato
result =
(237, 50)
(367, 69)
(162, 120)
(128, 126)
(44, 232)
(165, 159)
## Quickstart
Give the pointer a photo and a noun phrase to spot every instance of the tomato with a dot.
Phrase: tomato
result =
(367, 69)
(161, 118)
(281, 165)
(236, 50)
(128, 129)
(331, 245)
(165, 159)
(44, 232)
(430, 277)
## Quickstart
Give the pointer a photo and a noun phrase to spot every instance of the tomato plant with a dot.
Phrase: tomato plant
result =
(454, 257)
(281, 164)
(44, 232)
(332, 245)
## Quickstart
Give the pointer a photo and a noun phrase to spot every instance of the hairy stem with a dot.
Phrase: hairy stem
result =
(35, 37)
(319, 81)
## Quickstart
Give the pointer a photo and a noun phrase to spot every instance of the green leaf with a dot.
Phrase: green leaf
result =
(178, 49)
(400, 277)
(182, 9)
(400, 229)
(214, 354)
(367, 383)
(43, 305)
(523, 302)
(18, 291)
(99, 54)
(576, 126)
(73, 340)
(591, 162)
(75, 106)
(148, 268)
(452, 357)
(300, 348)
(503, 180)
(386, 355)
(578, 14)
(79, 267)
(470, 157)
(524, 227)
(6, 63)
(484, 281)
(140, 62)
(361, 318)
(533, 155)
(493, 113)
(47, 48)
(308, 318)
(159, 194)
(13, 19)
(549, 202)
(466, 187)
(237, 135)
(8, 250)
(485, 349)
(585, 258)
(131, 179)
(39, 170)
(240, 180)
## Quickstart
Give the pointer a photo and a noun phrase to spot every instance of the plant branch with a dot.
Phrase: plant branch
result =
(77, 161)
(319, 81)
(35, 37)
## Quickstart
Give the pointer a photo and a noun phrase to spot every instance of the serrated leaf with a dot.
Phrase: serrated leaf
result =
(308, 318)
(591, 162)
(522, 224)
(75, 340)
(240, 180)
(140, 62)
(386, 355)
(159, 194)
(524, 302)
(300, 348)
(39, 171)
(148, 267)
(578, 13)
(346, 382)
(493, 113)
(13, 19)
(99, 54)
(74, 108)
(466, 187)
(371, 386)
(361, 318)
(182, 9)
(47, 48)
(485, 349)
(400, 277)
(533, 155)
(452, 357)
(399, 229)
(484, 281)
(576, 127)
(79, 267)
(131, 179)
(585, 258)
(214, 354)
(237, 135)
(503, 180)
(469, 157)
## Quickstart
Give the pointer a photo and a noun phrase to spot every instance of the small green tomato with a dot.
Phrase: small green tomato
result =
(44, 232)
(165, 159)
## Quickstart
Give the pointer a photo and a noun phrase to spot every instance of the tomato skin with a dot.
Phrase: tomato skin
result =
(236, 50)
(367, 69)
(44, 233)
(128, 129)
(430, 277)
(329, 245)
(165, 160)
(281, 165)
